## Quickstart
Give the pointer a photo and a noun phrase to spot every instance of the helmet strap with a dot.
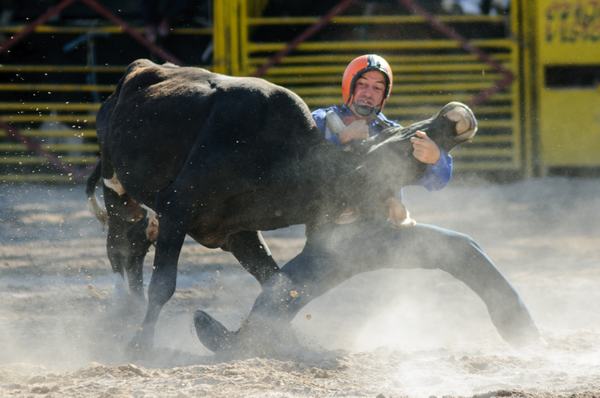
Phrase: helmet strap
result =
(368, 112)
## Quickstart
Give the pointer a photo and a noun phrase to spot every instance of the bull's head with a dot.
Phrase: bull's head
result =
(454, 124)
(386, 160)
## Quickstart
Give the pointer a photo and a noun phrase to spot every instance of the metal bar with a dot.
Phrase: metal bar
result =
(392, 59)
(372, 19)
(294, 82)
(438, 67)
(406, 78)
(99, 29)
(415, 98)
(379, 45)
(64, 165)
(51, 147)
(34, 178)
(234, 51)
(56, 87)
(60, 68)
(46, 106)
(440, 87)
(56, 133)
(85, 118)
(219, 47)
(244, 37)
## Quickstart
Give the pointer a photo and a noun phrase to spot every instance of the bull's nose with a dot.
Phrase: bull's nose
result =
(466, 124)
(459, 115)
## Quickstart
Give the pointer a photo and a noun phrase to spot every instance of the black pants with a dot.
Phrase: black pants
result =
(335, 253)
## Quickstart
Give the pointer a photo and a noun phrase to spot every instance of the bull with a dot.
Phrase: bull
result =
(220, 158)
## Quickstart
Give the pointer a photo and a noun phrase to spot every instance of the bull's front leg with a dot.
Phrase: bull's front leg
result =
(126, 242)
(173, 225)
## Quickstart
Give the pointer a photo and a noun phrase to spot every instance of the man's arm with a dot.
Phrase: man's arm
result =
(339, 133)
(439, 163)
(438, 175)
(320, 118)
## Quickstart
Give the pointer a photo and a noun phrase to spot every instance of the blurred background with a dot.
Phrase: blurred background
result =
(530, 69)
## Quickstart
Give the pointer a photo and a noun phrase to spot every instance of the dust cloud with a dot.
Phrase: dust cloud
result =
(64, 328)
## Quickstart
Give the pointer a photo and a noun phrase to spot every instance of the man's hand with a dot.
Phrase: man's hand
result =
(398, 214)
(424, 149)
(357, 130)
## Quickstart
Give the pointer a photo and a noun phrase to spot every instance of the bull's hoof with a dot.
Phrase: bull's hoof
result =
(464, 119)
(211, 333)
(140, 344)
(525, 337)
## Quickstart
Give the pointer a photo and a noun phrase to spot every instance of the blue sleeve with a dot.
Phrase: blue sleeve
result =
(438, 175)
(318, 116)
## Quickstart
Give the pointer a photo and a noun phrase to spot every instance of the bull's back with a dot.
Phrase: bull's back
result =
(162, 116)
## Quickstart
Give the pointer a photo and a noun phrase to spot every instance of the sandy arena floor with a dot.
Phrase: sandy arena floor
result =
(382, 334)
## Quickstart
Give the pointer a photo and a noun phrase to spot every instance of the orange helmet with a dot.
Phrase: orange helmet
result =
(359, 66)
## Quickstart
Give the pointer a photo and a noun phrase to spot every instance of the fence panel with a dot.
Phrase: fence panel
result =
(52, 81)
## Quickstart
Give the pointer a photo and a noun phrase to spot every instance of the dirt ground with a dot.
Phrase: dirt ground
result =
(417, 333)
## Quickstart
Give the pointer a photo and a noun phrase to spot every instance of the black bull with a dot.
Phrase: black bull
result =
(220, 158)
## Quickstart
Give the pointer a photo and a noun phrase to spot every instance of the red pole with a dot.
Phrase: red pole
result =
(27, 29)
(311, 30)
(100, 9)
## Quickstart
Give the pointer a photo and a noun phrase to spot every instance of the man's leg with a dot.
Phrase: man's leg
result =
(333, 255)
(431, 247)
(347, 250)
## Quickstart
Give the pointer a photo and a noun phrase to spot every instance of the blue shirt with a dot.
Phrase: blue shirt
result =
(436, 175)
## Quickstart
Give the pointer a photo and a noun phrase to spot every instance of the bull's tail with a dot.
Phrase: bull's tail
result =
(90, 191)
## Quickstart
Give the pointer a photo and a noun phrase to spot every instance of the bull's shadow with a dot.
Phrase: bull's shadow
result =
(221, 158)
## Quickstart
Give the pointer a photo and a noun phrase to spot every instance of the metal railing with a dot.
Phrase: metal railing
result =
(48, 110)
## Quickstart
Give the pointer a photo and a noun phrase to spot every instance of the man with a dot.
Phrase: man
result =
(366, 85)
(335, 252)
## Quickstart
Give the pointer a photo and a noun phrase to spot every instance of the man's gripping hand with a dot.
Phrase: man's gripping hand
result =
(398, 214)
(357, 130)
(424, 149)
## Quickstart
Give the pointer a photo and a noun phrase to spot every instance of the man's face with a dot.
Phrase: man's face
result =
(369, 90)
